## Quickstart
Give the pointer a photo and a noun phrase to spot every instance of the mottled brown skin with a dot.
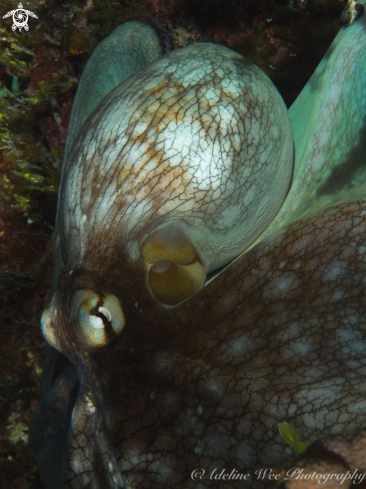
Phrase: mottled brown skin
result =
(200, 135)
(189, 397)
(335, 455)
(279, 335)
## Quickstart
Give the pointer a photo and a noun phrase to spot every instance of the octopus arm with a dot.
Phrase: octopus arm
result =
(328, 122)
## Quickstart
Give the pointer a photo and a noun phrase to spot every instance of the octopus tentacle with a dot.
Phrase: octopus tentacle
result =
(328, 122)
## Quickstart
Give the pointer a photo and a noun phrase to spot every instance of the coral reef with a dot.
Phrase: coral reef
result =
(39, 70)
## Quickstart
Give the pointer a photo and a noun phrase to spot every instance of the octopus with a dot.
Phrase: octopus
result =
(210, 272)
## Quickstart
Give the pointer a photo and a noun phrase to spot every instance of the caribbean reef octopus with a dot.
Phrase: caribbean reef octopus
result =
(210, 270)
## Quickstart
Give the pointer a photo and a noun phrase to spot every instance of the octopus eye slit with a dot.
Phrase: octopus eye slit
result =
(97, 324)
(103, 312)
(100, 317)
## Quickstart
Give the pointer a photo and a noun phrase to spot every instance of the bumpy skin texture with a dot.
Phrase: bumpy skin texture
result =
(336, 461)
(202, 391)
(202, 135)
(113, 60)
(279, 335)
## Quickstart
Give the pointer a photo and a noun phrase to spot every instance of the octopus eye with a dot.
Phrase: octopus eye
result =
(96, 325)
(100, 318)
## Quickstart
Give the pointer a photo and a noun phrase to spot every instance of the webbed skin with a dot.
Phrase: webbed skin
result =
(278, 335)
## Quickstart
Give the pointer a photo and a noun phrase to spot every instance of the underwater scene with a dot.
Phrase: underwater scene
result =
(182, 244)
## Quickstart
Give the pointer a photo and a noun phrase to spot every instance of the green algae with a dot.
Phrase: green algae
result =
(290, 436)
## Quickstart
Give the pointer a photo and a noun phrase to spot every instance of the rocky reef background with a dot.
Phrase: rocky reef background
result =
(39, 73)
